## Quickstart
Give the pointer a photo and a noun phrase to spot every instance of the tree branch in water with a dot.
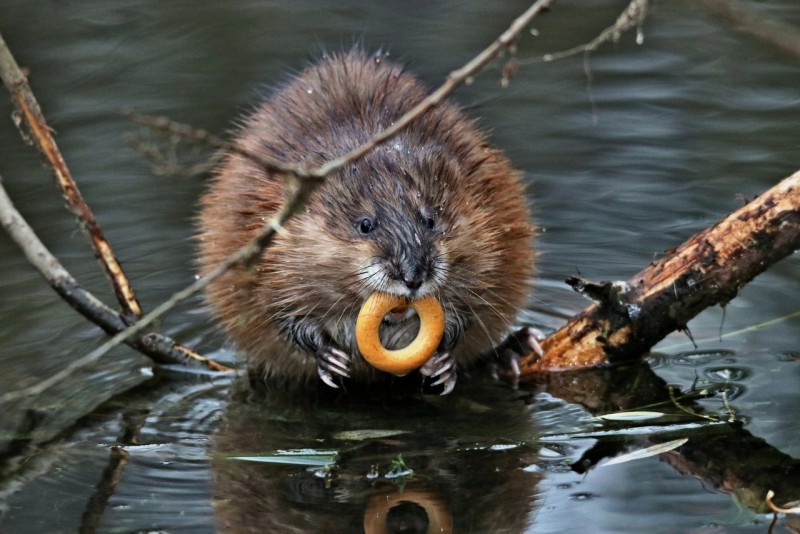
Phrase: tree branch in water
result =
(708, 269)
(39, 133)
(160, 348)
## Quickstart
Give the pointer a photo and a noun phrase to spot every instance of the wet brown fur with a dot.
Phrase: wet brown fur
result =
(442, 164)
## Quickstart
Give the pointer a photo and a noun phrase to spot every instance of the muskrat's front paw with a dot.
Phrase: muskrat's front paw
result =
(442, 367)
(332, 362)
(520, 343)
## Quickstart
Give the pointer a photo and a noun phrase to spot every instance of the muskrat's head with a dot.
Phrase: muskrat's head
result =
(389, 215)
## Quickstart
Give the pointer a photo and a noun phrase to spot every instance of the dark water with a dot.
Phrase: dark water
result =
(662, 143)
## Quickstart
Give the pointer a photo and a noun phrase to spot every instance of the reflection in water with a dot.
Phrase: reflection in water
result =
(103, 468)
(481, 462)
(717, 450)
(463, 459)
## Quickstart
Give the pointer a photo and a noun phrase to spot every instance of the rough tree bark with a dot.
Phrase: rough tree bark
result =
(710, 268)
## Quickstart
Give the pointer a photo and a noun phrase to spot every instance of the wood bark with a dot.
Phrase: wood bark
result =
(710, 268)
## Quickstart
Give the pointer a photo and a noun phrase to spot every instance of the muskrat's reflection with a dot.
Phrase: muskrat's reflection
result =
(407, 510)
(466, 474)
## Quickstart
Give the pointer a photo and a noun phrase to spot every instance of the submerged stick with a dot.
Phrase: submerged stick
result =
(708, 269)
(28, 111)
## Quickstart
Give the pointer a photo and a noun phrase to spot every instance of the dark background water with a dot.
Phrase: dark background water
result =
(663, 141)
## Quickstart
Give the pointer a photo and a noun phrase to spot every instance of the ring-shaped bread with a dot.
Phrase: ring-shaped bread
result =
(401, 361)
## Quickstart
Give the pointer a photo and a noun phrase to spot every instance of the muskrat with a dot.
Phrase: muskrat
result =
(434, 210)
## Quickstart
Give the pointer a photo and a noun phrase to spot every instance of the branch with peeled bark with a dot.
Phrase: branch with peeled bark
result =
(710, 268)
(37, 132)
(29, 114)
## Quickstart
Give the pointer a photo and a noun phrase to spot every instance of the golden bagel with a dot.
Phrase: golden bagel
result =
(402, 361)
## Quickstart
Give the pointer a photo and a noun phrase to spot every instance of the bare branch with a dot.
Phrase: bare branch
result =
(708, 269)
(160, 348)
(454, 80)
(198, 135)
(165, 161)
(29, 113)
(633, 16)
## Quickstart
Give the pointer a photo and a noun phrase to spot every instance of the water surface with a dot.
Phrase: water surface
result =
(663, 140)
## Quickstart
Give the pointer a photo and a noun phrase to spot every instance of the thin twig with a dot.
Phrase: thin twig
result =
(198, 135)
(302, 182)
(166, 161)
(632, 16)
(454, 80)
(29, 112)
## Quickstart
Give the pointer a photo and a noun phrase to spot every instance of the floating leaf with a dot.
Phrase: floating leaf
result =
(361, 435)
(649, 451)
(312, 457)
(631, 416)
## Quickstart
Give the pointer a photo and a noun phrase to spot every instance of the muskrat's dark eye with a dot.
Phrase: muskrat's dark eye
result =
(365, 226)
(430, 222)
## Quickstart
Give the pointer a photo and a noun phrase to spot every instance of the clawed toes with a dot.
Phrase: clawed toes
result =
(534, 337)
(332, 362)
(519, 344)
(449, 382)
(339, 361)
(326, 377)
(513, 364)
(442, 367)
(433, 365)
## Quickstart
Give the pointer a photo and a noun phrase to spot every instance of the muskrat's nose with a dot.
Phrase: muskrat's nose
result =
(413, 283)
(413, 280)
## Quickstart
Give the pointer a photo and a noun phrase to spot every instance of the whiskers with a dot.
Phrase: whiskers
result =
(488, 309)
(476, 307)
